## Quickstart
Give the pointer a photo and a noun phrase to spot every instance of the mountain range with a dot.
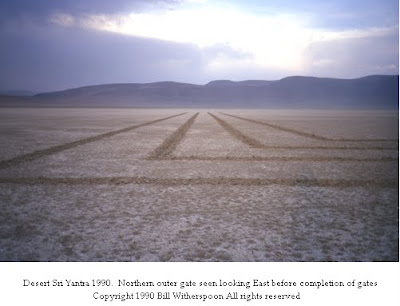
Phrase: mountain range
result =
(370, 92)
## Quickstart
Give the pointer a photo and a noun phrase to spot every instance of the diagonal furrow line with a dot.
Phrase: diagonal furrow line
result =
(280, 128)
(237, 134)
(329, 148)
(78, 181)
(305, 134)
(234, 132)
(171, 142)
(284, 158)
(256, 144)
(55, 149)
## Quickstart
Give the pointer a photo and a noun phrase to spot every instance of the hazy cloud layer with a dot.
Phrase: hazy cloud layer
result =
(375, 54)
(42, 61)
(338, 14)
(42, 8)
(50, 45)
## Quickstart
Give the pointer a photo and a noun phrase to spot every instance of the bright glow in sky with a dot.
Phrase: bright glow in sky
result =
(61, 44)
(269, 41)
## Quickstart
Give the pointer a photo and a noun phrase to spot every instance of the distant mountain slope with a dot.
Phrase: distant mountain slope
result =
(375, 92)
(17, 93)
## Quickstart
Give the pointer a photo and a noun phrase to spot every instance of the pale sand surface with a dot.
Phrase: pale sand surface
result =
(25, 130)
(352, 124)
(197, 222)
(196, 187)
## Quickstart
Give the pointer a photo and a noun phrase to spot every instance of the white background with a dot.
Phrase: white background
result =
(387, 275)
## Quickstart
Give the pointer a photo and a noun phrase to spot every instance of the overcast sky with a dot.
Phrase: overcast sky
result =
(50, 45)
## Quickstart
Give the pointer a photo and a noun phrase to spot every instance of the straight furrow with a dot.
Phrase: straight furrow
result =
(256, 144)
(170, 143)
(52, 150)
(78, 181)
(305, 134)
(284, 158)
(330, 148)
(237, 134)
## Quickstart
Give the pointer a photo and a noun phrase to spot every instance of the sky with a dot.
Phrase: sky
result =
(48, 45)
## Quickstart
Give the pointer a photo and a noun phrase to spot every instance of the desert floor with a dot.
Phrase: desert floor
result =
(198, 185)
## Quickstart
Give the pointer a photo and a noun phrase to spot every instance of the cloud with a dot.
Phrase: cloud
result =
(42, 61)
(272, 42)
(269, 41)
(328, 14)
(223, 50)
(354, 56)
(43, 8)
(355, 14)
(62, 19)
(49, 45)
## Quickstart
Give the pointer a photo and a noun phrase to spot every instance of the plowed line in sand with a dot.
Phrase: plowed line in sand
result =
(284, 159)
(237, 134)
(171, 142)
(200, 181)
(305, 134)
(258, 145)
(52, 150)
(330, 148)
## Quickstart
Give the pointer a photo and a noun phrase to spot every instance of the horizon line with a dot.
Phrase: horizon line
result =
(7, 92)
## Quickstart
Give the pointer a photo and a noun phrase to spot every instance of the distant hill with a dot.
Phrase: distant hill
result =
(371, 92)
(17, 93)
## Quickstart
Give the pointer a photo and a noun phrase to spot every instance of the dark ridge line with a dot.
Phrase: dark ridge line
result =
(78, 181)
(237, 134)
(55, 149)
(285, 159)
(305, 134)
(172, 141)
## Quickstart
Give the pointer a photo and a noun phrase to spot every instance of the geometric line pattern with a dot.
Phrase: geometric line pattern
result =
(55, 149)
(165, 152)
(305, 134)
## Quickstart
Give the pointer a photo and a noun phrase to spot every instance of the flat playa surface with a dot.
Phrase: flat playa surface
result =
(198, 185)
